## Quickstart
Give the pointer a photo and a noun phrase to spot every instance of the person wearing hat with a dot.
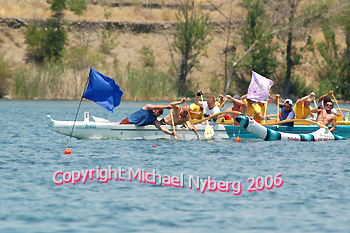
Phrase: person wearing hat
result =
(287, 112)
(237, 106)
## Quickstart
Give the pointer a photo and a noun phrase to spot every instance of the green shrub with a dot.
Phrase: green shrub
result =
(107, 43)
(5, 75)
(147, 57)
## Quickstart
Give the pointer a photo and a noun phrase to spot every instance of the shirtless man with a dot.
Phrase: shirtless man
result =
(325, 116)
(237, 106)
(180, 116)
(326, 98)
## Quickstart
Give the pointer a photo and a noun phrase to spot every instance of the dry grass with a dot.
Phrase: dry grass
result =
(24, 8)
(37, 9)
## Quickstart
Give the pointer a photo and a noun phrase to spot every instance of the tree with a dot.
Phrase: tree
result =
(296, 19)
(190, 38)
(257, 39)
(332, 68)
(292, 56)
(343, 19)
(48, 41)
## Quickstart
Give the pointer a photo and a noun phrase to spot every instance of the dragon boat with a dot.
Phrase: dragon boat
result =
(100, 128)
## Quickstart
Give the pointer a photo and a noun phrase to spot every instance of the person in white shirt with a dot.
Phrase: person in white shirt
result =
(209, 106)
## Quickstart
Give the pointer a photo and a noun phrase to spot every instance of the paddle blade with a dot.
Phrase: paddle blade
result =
(209, 132)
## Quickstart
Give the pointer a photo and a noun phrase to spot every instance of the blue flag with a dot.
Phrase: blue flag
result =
(103, 91)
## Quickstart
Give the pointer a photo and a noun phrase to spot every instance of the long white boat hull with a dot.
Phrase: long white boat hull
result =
(103, 129)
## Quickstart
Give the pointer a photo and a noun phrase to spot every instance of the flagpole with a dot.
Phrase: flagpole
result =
(67, 151)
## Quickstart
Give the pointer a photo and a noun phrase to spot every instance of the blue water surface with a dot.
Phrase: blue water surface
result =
(314, 197)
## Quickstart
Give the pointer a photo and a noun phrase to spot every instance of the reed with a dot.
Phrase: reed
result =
(145, 84)
(52, 81)
(58, 81)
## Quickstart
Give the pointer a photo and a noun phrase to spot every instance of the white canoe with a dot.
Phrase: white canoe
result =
(103, 129)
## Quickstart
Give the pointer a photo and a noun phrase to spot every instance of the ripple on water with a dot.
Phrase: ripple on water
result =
(314, 196)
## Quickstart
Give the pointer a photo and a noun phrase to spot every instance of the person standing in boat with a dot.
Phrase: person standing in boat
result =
(302, 107)
(209, 106)
(287, 112)
(180, 116)
(147, 115)
(325, 115)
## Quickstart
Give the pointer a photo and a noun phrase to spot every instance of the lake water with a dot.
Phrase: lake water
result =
(314, 196)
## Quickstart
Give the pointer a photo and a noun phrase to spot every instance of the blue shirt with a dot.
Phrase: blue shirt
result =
(286, 116)
(142, 117)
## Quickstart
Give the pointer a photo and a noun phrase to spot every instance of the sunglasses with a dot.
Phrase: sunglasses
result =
(331, 105)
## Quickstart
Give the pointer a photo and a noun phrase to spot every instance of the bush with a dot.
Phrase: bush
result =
(5, 75)
(107, 43)
(147, 57)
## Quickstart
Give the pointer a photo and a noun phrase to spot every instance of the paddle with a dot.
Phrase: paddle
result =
(191, 121)
(278, 111)
(221, 105)
(172, 121)
(315, 102)
(345, 110)
(271, 115)
(336, 102)
(295, 120)
(209, 131)
(215, 115)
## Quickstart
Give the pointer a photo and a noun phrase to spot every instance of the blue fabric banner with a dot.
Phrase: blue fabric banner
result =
(103, 91)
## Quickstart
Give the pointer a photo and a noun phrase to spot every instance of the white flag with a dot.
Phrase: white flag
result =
(259, 88)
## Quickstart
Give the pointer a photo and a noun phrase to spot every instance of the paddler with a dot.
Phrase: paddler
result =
(147, 115)
(209, 106)
(325, 98)
(325, 116)
(260, 109)
(237, 106)
(197, 111)
(180, 116)
(302, 107)
(287, 112)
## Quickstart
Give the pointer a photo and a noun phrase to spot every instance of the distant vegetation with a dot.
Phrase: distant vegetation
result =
(273, 39)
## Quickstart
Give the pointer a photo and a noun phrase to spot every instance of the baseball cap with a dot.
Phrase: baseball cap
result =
(288, 101)
(237, 97)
